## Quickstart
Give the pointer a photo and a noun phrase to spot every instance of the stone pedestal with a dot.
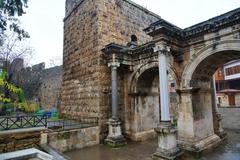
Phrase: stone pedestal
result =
(216, 115)
(218, 126)
(167, 143)
(115, 137)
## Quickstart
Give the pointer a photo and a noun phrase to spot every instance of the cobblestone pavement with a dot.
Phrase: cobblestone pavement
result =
(229, 150)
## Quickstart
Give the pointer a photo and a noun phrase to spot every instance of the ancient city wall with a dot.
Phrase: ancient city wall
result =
(87, 29)
(41, 86)
(50, 88)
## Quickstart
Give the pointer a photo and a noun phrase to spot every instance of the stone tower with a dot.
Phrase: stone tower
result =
(89, 25)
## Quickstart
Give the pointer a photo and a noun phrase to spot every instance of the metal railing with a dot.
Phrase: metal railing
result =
(33, 121)
(23, 121)
(66, 124)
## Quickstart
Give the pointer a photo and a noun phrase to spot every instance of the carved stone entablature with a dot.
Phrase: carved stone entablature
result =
(145, 48)
(127, 55)
(113, 48)
(177, 55)
(163, 26)
(211, 25)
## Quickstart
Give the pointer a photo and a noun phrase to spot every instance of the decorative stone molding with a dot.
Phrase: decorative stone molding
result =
(209, 26)
(114, 64)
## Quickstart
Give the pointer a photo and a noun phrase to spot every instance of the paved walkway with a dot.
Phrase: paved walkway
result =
(229, 150)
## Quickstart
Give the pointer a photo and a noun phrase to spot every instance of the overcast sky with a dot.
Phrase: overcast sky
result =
(44, 20)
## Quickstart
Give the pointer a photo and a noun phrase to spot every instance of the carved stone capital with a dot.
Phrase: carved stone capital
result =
(162, 49)
(114, 64)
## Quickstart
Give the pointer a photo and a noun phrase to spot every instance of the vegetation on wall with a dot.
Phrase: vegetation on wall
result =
(15, 99)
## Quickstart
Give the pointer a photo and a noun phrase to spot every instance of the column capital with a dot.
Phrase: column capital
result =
(162, 49)
(114, 64)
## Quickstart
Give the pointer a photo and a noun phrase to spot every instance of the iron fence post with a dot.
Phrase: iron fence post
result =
(7, 123)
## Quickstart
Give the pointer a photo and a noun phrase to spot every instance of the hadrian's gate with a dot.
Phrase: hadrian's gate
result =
(98, 32)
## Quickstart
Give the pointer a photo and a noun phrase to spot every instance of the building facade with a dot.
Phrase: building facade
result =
(228, 84)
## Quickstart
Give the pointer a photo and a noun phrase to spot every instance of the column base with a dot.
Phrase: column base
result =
(116, 142)
(220, 132)
(115, 137)
(162, 154)
(201, 145)
(223, 135)
(167, 143)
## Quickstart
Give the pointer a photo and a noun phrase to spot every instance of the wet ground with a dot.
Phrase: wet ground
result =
(229, 150)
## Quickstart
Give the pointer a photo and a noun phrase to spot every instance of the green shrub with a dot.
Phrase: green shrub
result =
(33, 107)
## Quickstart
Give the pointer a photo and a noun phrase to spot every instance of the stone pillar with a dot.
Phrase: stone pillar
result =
(115, 137)
(44, 137)
(216, 115)
(195, 123)
(167, 141)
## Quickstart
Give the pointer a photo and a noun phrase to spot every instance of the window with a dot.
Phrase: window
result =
(232, 70)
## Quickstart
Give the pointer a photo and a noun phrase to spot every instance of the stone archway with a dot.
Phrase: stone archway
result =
(144, 100)
(144, 67)
(195, 123)
(221, 48)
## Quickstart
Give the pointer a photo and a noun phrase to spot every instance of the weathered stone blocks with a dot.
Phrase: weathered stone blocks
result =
(74, 139)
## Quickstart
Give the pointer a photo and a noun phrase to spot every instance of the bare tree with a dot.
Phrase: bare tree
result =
(13, 51)
(13, 48)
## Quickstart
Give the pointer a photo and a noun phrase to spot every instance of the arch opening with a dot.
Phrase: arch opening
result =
(145, 100)
(204, 71)
(201, 99)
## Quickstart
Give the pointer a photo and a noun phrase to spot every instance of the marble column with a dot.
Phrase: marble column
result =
(167, 140)
(114, 66)
(216, 115)
(115, 137)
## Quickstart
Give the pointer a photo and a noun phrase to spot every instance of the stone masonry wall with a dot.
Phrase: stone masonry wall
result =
(80, 91)
(230, 117)
(17, 141)
(120, 19)
(74, 139)
(87, 29)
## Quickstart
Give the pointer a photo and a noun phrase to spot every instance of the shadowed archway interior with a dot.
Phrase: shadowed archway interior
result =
(147, 99)
(203, 73)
